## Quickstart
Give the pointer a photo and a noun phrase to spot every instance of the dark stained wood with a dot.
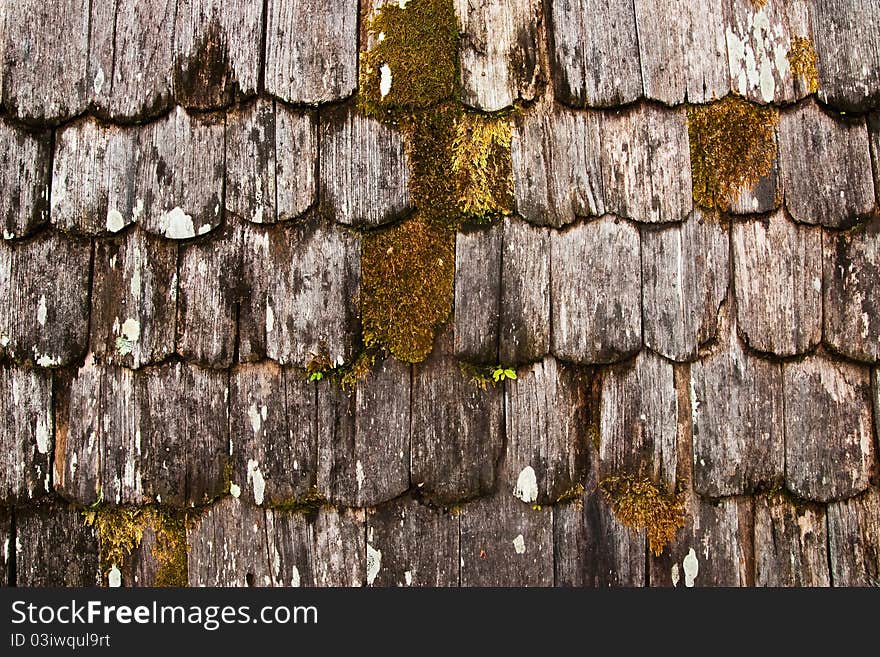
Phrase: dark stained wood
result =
(778, 281)
(338, 553)
(506, 543)
(765, 195)
(595, 292)
(133, 299)
(255, 262)
(54, 547)
(826, 166)
(412, 544)
(685, 274)
(853, 539)
(851, 306)
(311, 61)
(829, 438)
(26, 433)
(478, 294)
(791, 544)
(364, 173)
(874, 136)
(24, 178)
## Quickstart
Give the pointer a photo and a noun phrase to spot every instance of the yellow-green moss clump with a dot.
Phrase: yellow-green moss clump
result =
(732, 145)
(639, 504)
(803, 62)
(481, 166)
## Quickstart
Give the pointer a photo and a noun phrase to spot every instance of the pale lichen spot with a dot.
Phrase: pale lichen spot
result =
(527, 485)
(114, 577)
(675, 575)
(135, 285)
(407, 576)
(48, 361)
(294, 577)
(270, 318)
(204, 228)
(519, 544)
(7, 235)
(691, 568)
(384, 80)
(138, 209)
(42, 436)
(359, 474)
(131, 330)
(374, 563)
(98, 83)
(255, 478)
(235, 490)
(254, 417)
(177, 224)
(115, 221)
(258, 215)
(41, 310)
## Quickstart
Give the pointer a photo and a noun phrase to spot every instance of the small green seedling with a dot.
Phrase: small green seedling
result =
(501, 373)
(316, 376)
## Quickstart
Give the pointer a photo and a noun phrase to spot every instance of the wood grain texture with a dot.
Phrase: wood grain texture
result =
(311, 61)
(851, 307)
(778, 281)
(826, 167)
(26, 433)
(364, 173)
(255, 263)
(587, 39)
(24, 179)
(685, 274)
(829, 444)
(54, 547)
(791, 544)
(853, 537)
(765, 195)
(873, 120)
(6, 535)
(338, 552)
(595, 292)
(498, 51)
(478, 294)
(413, 544)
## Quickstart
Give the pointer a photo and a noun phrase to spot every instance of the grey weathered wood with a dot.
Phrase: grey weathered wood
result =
(311, 299)
(217, 51)
(182, 182)
(93, 174)
(7, 540)
(791, 544)
(646, 164)
(737, 408)
(595, 292)
(826, 166)
(546, 416)
(853, 537)
(338, 549)
(255, 261)
(524, 323)
(24, 178)
(594, 52)
(311, 61)
(44, 308)
(685, 274)
(271, 155)
(829, 445)
(412, 544)
(478, 294)
(845, 35)
(364, 174)
(26, 433)
(45, 59)
(134, 297)
(506, 543)
(498, 51)
(272, 434)
(778, 281)
(557, 166)
(290, 543)
(638, 423)
(874, 137)
(765, 195)
(54, 547)
(131, 57)
(364, 437)
(456, 429)
(851, 295)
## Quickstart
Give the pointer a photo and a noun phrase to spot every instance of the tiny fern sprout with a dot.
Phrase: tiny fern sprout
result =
(316, 376)
(502, 373)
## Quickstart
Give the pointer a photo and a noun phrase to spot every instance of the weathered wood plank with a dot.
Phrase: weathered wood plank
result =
(826, 167)
(546, 411)
(7, 540)
(54, 547)
(217, 51)
(133, 299)
(874, 137)
(848, 53)
(26, 433)
(506, 543)
(685, 274)
(45, 59)
(478, 294)
(763, 196)
(24, 178)
(646, 163)
(557, 166)
(524, 323)
(338, 549)
(829, 445)
(364, 437)
(311, 61)
(778, 280)
(791, 544)
(851, 295)
(853, 537)
(737, 408)
(498, 51)
(290, 541)
(595, 292)
(255, 262)
(456, 429)
(271, 155)
(412, 544)
(588, 39)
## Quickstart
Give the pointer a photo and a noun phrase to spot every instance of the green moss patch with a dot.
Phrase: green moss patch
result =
(804, 63)
(640, 504)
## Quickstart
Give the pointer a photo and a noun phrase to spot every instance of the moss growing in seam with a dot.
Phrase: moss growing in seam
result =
(482, 166)
(639, 504)
(803, 61)
(733, 145)
(407, 274)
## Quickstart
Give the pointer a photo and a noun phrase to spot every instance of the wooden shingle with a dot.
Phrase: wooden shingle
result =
(24, 178)
(791, 543)
(54, 547)
(853, 537)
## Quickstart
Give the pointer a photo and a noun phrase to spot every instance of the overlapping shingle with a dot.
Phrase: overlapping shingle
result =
(853, 537)
(24, 177)
(40, 530)
(791, 543)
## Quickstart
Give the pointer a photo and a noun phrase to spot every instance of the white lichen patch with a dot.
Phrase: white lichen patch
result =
(294, 577)
(374, 563)
(526, 485)
(114, 577)
(691, 568)
(7, 235)
(98, 83)
(359, 474)
(256, 480)
(115, 221)
(138, 210)
(177, 224)
(41, 433)
(4, 340)
(41, 310)
(135, 284)
(384, 80)
(235, 490)
(270, 318)
(131, 330)
(44, 360)
(407, 577)
(204, 228)
(675, 575)
(519, 544)
(258, 215)
(255, 418)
